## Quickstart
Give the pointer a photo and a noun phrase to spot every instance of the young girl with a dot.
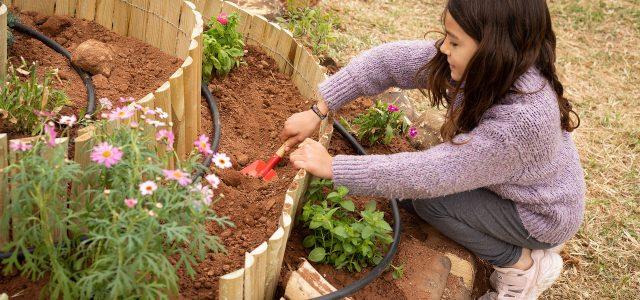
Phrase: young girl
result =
(507, 182)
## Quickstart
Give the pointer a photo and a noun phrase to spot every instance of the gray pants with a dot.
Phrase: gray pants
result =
(482, 222)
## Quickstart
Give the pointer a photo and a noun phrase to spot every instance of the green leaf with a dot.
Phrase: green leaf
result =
(341, 232)
(371, 206)
(315, 224)
(309, 241)
(348, 205)
(317, 254)
(366, 232)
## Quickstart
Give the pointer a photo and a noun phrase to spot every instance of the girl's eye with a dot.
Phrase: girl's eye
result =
(454, 44)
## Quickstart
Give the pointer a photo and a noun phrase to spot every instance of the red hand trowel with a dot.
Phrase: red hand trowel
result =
(263, 170)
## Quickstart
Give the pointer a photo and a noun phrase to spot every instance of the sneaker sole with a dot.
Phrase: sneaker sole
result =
(546, 279)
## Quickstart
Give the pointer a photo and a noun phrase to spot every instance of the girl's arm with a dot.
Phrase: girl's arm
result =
(373, 71)
(489, 157)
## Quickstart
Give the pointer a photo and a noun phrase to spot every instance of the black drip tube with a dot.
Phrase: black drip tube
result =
(86, 78)
(386, 261)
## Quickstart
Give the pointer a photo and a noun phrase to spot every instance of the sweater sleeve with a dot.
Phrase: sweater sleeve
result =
(375, 70)
(487, 158)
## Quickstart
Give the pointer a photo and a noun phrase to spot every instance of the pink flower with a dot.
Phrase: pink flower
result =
(222, 18)
(392, 108)
(222, 161)
(106, 154)
(148, 187)
(181, 177)
(105, 103)
(413, 132)
(50, 131)
(205, 191)
(121, 113)
(134, 124)
(213, 180)
(19, 146)
(168, 135)
(203, 146)
(130, 202)
(68, 120)
(126, 100)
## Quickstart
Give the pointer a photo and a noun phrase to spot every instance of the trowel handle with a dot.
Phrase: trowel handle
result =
(275, 159)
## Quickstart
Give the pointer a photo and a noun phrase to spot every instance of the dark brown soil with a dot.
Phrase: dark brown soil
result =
(416, 247)
(254, 102)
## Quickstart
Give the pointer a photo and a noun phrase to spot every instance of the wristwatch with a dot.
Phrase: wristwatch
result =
(316, 110)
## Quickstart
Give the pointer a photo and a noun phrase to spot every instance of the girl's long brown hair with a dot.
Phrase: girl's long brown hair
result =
(512, 36)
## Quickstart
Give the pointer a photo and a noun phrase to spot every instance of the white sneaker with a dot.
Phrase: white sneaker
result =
(512, 284)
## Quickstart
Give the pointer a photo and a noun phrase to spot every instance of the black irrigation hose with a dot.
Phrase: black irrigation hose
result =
(215, 115)
(386, 261)
(86, 78)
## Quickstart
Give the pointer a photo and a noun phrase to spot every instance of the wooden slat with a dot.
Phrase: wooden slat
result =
(82, 156)
(66, 7)
(177, 112)
(316, 78)
(171, 15)
(139, 17)
(153, 34)
(104, 13)
(286, 49)
(187, 23)
(121, 17)
(270, 37)
(307, 66)
(231, 286)
(163, 101)
(199, 4)
(212, 9)
(256, 30)
(87, 10)
(254, 273)
(3, 43)
(46, 7)
(196, 54)
(285, 223)
(4, 187)
(191, 101)
(297, 66)
(276, 243)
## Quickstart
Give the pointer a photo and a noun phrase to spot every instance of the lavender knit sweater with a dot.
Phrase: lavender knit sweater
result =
(518, 150)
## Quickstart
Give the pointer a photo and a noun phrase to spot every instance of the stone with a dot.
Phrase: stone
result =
(94, 57)
(100, 81)
(242, 159)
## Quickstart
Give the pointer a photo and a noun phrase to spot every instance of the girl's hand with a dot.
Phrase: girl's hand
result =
(302, 125)
(314, 158)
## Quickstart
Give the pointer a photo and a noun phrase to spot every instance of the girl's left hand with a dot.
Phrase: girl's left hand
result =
(314, 158)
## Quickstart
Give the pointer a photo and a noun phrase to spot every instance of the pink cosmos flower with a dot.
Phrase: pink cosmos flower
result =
(413, 132)
(392, 108)
(178, 175)
(222, 161)
(213, 180)
(121, 113)
(134, 124)
(105, 103)
(126, 100)
(130, 202)
(148, 187)
(223, 18)
(168, 135)
(68, 120)
(106, 154)
(203, 146)
(19, 146)
(50, 131)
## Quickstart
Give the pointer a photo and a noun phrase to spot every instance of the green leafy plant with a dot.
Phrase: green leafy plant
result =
(341, 236)
(131, 227)
(21, 100)
(380, 124)
(223, 46)
(314, 24)
(398, 272)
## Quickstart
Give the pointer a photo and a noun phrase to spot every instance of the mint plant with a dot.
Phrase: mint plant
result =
(341, 236)
(133, 226)
(223, 46)
(379, 124)
(22, 101)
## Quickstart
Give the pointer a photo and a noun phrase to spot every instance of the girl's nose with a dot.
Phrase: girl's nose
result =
(444, 49)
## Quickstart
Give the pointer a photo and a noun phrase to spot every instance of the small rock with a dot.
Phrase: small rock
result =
(100, 81)
(249, 221)
(64, 75)
(226, 268)
(95, 57)
(265, 103)
(198, 284)
(264, 63)
(208, 284)
(38, 19)
(242, 159)
(54, 25)
(210, 273)
(262, 220)
(231, 177)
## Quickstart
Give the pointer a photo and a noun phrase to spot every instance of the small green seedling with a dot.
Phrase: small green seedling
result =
(398, 272)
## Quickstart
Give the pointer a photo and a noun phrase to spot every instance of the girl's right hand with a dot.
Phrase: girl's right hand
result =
(300, 126)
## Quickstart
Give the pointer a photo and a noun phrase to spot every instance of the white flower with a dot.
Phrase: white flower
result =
(159, 205)
(68, 120)
(105, 103)
(213, 180)
(152, 213)
(222, 161)
(161, 113)
(148, 187)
